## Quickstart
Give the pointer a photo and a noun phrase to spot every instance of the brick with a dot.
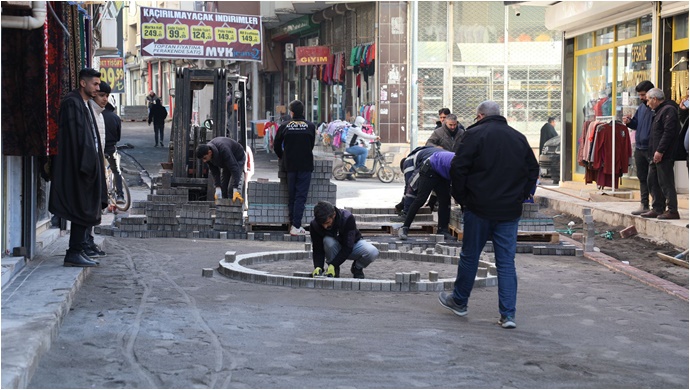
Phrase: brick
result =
(577, 236)
(628, 232)
(207, 272)
(433, 276)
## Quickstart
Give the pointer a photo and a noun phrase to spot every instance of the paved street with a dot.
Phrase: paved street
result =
(147, 319)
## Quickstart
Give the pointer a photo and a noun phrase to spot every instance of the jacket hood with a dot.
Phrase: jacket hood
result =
(359, 121)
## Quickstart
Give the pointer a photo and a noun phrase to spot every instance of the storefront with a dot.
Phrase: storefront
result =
(609, 49)
(469, 52)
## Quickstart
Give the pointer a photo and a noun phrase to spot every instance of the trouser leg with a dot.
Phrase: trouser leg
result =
(77, 236)
(667, 183)
(504, 237)
(658, 199)
(475, 235)
(424, 186)
(364, 253)
(301, 192)
(116, 174)
(442, 190)
(642, 168)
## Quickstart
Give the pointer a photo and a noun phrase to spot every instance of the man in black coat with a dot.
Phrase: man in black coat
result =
(493, 173)
(113, 132)
(157, 115)
(227, 154)
(548, 131)
(663, 142)
(293, 144)
(334, 235)
(78, 191)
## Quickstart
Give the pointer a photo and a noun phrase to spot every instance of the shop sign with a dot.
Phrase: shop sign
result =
(299, 26)
(169, 33)
(113, 73)
(641, 55)
(313, 55)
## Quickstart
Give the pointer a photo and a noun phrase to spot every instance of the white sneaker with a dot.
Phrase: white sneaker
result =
(297, 231)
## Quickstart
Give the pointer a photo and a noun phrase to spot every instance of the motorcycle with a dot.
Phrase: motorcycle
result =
(381, 168)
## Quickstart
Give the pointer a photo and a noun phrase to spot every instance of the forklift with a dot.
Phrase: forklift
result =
(228, 119)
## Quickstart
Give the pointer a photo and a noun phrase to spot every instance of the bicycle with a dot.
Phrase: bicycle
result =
(345, 167)
(112, 190)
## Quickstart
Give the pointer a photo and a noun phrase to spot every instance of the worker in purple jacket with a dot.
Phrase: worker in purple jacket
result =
(434, 175)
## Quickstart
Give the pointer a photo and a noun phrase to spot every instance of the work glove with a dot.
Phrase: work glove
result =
(236, 195)
(317, 272)
(219, 193)
(330, 272)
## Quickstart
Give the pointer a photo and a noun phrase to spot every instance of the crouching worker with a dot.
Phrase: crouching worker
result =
(228, 154)
(334, 235)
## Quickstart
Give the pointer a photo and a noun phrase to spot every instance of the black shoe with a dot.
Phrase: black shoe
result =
(77, 259)
(357, 272)
(446, 235)
(92, 250)
(120, 199)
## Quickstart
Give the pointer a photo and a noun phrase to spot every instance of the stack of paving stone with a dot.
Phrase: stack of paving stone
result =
(138, 207)
(229, 219)
(176, 196)
(161, 220)
(195, 217)
(268, 200)
(530, 221)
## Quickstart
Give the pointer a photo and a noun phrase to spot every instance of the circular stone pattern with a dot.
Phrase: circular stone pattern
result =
(264, 268)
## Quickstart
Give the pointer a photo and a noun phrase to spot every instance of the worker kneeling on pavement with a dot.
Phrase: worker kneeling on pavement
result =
(334, 235)
(228, 154)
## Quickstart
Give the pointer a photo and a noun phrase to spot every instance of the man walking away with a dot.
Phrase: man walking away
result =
(78, 192)
(548, 131)
(492, 173)
(641, 122)
(226, 154)
(294, 143)
(157, 115)
(334, 235)
(113, 132)
(662, 147)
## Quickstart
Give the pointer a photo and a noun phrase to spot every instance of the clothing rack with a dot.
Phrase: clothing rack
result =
(614, 178)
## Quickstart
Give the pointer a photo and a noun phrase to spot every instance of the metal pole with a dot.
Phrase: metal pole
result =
(255, 91)
(413, 84)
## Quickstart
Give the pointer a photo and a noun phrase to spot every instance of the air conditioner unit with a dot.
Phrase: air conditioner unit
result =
(213, 64)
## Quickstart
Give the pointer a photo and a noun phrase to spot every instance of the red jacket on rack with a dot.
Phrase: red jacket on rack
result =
(602, 153)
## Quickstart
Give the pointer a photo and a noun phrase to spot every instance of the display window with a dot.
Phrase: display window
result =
(609, 63)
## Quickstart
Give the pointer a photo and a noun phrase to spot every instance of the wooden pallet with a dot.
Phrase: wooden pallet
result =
(392, 228)
(266, 227)
(549, 237)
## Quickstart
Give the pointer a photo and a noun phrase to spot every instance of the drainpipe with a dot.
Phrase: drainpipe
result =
(34, 21)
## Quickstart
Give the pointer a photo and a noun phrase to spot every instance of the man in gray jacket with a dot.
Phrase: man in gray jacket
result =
(448, 135)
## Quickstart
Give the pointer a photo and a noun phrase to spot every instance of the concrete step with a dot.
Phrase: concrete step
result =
(10, 267)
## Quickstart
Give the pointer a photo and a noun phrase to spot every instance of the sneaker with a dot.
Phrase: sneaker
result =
(446, 300)
(641, 210)
(351, 177)
(332, 272)
(668, 214)
(446, 235)
(297, 231)
(507, 322)
(402, 232)
(318, 271)
(120, 199)
(357, 272)
(361, 170)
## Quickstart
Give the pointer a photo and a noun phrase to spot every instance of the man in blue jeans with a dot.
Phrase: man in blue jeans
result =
(293, 144)
(492, 173)
(334, 235)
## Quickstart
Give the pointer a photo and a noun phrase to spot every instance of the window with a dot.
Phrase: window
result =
(604, 36)
(626, 30)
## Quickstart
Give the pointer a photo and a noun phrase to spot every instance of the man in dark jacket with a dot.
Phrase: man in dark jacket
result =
(492, 173)
(78, 192)
(293, 144)
(662, 147)
(448, 135)
(641, 122)
(157, 115)
(547, 132)
(228, 154)
(113, 131)
(334, 235)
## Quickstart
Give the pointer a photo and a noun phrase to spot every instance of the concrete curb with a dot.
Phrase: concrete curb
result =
(632, 272)
(28, 329)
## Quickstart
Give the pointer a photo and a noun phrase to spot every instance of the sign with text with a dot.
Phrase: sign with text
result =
(169, 33)
(313, 55)
(113, 72)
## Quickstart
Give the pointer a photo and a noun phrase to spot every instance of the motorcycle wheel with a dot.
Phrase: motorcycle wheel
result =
(341, 171)
(385, 174)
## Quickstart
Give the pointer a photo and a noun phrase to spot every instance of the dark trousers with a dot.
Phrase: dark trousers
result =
(642, 161)
(662, 185)
(158, 130)
(426, 184)
(298, 188)
(116, 172)
(225, 179)
(77, 237)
